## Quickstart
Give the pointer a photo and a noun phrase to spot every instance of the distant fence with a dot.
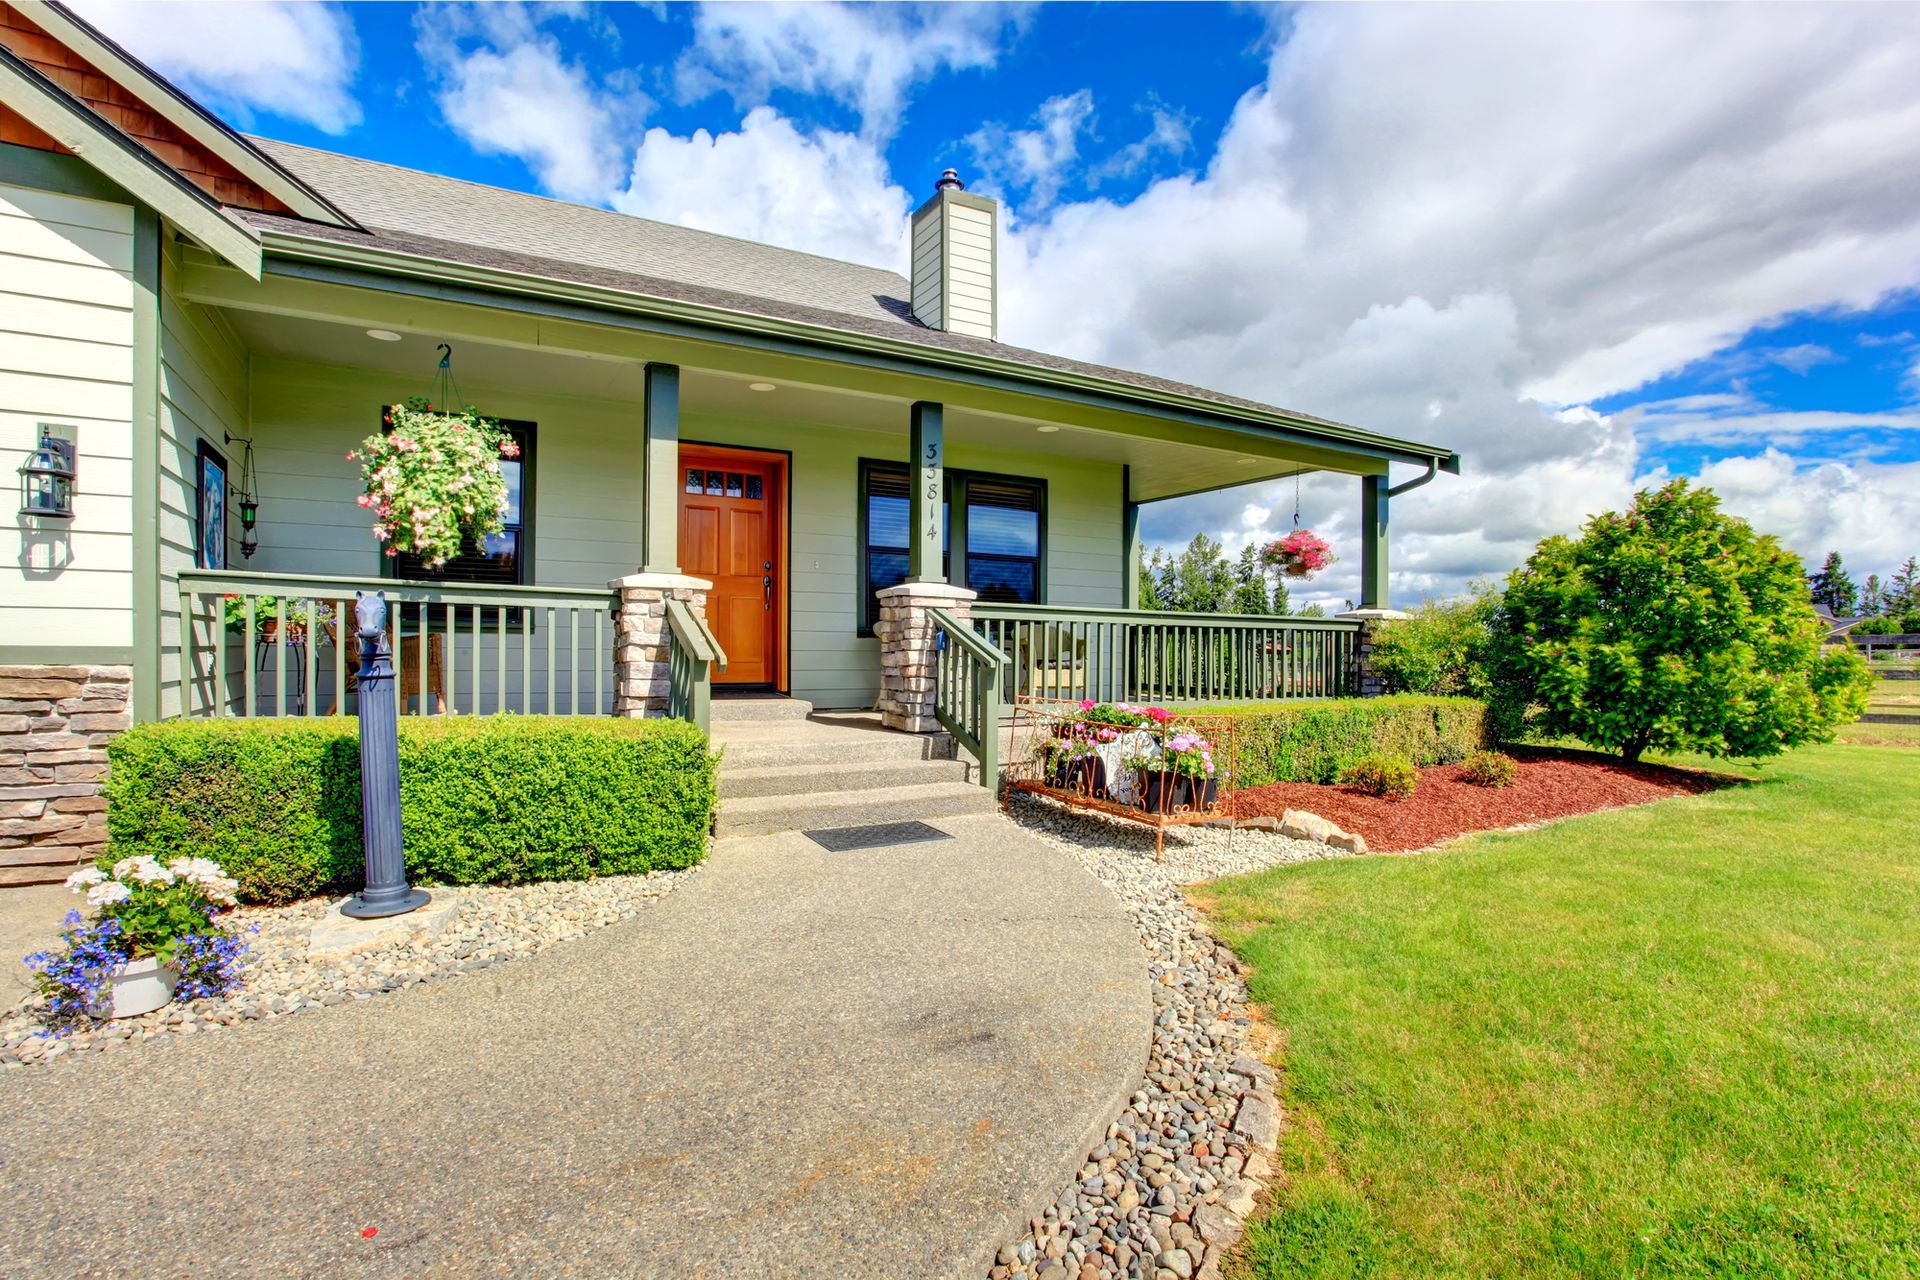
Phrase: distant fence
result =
(1905, 640)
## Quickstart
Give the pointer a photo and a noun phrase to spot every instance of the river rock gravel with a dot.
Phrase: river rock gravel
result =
(1167, 1193)
(494, 925)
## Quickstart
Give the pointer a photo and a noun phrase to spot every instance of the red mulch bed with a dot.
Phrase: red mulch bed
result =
(1548, 784)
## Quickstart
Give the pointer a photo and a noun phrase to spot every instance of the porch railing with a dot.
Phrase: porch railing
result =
(968, 699)
(690, 663)
(1147, 656)
(282, 644)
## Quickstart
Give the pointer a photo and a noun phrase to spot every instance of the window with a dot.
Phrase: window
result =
(503, 560)
(994, 534)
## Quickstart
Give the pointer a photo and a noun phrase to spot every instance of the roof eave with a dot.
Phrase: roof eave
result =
(1040, 380)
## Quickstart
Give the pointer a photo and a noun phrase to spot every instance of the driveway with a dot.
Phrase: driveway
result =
(800, 1064)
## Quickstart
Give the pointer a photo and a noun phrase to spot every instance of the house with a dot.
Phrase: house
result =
(813, 468)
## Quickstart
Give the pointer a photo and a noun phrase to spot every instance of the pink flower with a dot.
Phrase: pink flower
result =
(1088, 704)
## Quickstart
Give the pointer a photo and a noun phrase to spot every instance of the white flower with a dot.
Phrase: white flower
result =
(103, 894)
(85, 878)
(144, 869)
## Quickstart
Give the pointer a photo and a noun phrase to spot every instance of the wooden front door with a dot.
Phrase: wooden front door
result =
(732, 504)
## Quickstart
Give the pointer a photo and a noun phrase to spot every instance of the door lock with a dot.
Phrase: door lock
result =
(766, 583)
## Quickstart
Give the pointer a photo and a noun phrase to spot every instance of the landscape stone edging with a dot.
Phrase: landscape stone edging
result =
(55, 724)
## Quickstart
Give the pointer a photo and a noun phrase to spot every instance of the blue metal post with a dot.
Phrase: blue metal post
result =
(386, 892)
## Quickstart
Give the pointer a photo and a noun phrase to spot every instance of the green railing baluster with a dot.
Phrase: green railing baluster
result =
(573, 662)
(313, 657)
(553, 667)
(247, 657)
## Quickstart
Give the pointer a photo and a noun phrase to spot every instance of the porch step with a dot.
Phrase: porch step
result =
(827, 775)
(765, 815)
(736, 710)
(823, 740)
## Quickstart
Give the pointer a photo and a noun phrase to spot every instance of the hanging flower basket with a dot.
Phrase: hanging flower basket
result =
(1300, 554)
(432, 480)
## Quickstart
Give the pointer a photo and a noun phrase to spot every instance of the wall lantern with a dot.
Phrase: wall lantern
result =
(46, 478)
(248, 500)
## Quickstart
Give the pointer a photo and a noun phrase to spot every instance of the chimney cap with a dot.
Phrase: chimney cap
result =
(950, 181)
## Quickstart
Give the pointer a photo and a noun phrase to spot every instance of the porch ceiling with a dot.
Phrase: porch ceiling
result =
(1162, 463)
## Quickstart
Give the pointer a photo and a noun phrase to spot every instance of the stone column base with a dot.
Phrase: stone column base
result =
(55, 724)
(906, 635)
(642, 644)
(1371, 621)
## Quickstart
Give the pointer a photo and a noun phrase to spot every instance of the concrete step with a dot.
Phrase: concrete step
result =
(765, 815)
(736, 710)
(811, 779)
(771, 744)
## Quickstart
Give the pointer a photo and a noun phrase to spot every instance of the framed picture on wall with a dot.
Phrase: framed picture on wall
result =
(210, 518)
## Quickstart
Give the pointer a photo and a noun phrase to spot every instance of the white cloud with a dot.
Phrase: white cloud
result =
(1042, 158)
(507, 88)
(281, 57)
(865, 56)
(820, 191)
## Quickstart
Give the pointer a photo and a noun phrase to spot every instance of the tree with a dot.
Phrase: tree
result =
(1873, 598)
(1673, 626)
(1441, 647)
(1153, 578)
(1282, 599)
(1903, 593)
(1250, 583)
(1201, 580)
(1833, 588)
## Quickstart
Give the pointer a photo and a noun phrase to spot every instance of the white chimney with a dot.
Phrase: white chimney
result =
(956, 260)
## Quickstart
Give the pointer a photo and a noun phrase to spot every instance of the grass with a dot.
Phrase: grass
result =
(1679, 1040)
(1895, 697)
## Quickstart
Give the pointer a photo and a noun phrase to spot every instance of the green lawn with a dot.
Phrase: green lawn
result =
(1679, 1040)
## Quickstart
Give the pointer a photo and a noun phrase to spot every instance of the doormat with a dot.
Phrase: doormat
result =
(874, 836)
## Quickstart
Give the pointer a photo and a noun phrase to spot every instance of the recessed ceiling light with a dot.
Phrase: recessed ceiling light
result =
(384, 335)
(1047, 430)
(760, 386)
(1245, 462)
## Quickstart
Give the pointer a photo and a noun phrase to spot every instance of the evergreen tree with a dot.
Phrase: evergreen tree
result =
(1153, 567)
(1833, 588)
(1903, 593)
(1873, 597)
(1202, 578)
(1282, 598)
(1250, 583)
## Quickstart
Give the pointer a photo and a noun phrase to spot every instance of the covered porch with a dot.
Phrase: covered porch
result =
(759, 497)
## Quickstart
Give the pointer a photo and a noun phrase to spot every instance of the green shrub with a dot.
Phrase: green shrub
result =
(1382, 774)
(1312, 741)
(1440, 647)
(1489, 769)
(487, 800)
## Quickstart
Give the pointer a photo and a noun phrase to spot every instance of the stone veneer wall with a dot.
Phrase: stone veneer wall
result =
(906, 634)
(642, 645)
(55, 724)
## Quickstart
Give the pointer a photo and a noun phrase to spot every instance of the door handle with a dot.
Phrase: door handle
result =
(766, 585)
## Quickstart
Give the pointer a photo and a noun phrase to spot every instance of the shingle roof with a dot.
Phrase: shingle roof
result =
(427, 215)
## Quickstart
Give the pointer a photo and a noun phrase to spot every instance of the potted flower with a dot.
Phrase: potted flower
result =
(1300, 554)
(1156, 786)
(433, 480)
(154, 935)
(1191, 756)
(266, 615)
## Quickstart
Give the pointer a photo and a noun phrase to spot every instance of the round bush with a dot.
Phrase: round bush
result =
(1489, 769)
(1382, 774)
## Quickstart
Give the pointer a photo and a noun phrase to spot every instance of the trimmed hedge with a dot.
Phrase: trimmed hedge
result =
(489, 800)
(1315, 741)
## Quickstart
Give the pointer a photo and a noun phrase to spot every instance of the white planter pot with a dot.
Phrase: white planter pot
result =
(140, 987)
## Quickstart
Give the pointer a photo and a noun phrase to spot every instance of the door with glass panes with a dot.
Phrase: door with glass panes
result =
(729, 513)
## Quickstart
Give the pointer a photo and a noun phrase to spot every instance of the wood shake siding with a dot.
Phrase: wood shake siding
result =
(123, 111)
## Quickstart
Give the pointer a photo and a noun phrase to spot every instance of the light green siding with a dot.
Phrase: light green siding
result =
(66, 357)
(831, 665)
(203, 395)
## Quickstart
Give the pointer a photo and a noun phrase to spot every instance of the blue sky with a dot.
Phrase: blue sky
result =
(1591, 247)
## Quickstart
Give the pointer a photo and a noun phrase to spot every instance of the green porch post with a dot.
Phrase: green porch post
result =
(925, 543)
(1373, 542)
(1130, 525)
(661, 517)
(145, 435)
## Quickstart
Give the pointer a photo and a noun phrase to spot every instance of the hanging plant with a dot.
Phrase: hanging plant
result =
(1300, 554)
(432, 479)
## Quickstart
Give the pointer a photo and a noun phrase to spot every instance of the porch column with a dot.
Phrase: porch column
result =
(1130, 535)
(908, 649)
(661, 498)
(927, 540)
(1373, 542)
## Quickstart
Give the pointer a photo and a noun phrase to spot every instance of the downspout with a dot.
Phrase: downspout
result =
(1433, 469)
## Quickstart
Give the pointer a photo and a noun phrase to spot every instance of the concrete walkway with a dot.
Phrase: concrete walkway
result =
(802, 1064)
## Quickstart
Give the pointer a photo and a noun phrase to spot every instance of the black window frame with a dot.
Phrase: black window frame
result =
(525, 434)
(954, 562)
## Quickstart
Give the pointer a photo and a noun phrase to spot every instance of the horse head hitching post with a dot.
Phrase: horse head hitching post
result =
(386, 892)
